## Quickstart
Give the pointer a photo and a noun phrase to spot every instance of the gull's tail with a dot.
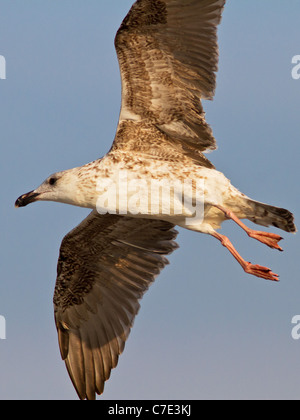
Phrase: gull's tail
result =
(266, 215)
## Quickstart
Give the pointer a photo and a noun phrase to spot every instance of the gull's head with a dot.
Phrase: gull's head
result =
(57, 187)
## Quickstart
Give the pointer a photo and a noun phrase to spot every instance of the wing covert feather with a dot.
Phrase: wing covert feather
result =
(168, 56)
(106, 265)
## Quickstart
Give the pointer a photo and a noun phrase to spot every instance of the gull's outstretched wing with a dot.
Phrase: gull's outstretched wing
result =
(106, 264)
(168, 57)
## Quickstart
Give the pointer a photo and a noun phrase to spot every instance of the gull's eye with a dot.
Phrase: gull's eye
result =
(52, 181)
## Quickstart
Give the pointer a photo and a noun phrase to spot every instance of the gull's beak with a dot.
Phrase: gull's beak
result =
(26, 199)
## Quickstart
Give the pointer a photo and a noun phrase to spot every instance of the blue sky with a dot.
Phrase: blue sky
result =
(206, 330)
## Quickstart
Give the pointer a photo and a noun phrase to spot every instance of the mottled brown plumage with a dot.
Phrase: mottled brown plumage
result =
(106, 264)
(168, 56)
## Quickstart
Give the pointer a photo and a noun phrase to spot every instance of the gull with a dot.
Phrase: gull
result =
(168, 57)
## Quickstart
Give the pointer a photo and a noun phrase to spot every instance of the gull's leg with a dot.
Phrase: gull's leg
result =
(256, 270)
(270, 239)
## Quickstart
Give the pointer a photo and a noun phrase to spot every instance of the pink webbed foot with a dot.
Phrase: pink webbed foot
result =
(270, 239)
(260, 271)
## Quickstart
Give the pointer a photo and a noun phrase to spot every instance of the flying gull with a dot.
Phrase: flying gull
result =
(168, 57)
